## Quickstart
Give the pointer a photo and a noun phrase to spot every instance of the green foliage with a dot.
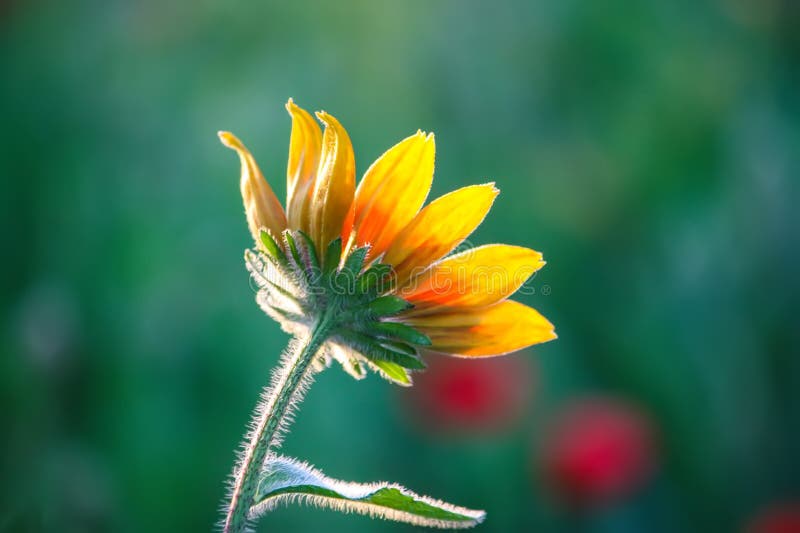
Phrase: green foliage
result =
(286, 479)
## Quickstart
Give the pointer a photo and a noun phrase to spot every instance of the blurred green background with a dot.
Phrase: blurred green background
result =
(648, 149)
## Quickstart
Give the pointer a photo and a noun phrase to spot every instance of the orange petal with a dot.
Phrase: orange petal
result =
(392, 192)
(261, 206)
(438, 229)
(304, 153)
(478, 277)
(335, 184)
(485, 331)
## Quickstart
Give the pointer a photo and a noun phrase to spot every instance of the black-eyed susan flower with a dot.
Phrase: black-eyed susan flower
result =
(363, 276)
(382, 229)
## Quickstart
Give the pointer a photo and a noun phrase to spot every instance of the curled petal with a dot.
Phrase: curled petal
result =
(477, 277)
(304, 154)
(261, 206)
(437, 230)
(334, 187)
(392, 192)
(484, 331)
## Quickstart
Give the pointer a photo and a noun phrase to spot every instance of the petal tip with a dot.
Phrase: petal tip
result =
(553, 336)
(491, 186)
(229, 139)
(292, 108)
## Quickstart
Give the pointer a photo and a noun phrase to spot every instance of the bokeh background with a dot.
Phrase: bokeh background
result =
(649, 149)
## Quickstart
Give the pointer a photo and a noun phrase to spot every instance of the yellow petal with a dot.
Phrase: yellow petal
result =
(304, 153)
(392, 192)
(261, 206)
(438, 229)
(478, 277)
(485, 331)
(335, 184)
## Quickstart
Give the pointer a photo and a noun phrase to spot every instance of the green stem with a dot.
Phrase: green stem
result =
(270, 416)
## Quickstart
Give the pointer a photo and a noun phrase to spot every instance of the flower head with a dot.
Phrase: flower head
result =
(374, 262)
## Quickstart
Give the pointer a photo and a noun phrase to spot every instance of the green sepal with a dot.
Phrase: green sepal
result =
(353, 367)
(409, 361)
(292, 246)
(311, 250)
(333, 255)
(388, 305)
(382, 350)
(283, 292)
(391, 371)
(399, 331)
(374, 279)
(355, 261)
(401, 348)
(271, 247)
(257, 266)
(287, 315)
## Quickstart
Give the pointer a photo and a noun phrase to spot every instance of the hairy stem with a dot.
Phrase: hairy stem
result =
(270, 418)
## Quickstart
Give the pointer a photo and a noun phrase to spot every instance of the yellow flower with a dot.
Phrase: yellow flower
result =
(459, 301)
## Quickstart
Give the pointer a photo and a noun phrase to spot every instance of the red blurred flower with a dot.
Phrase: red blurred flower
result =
(475, 395)
(598, 450)
(776, 519)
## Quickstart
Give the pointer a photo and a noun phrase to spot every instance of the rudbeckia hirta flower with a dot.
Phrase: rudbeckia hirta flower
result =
(458, 302)
(365, 276)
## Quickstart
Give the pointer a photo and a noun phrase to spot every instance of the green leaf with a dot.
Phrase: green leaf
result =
(388, 305)
(286, 480)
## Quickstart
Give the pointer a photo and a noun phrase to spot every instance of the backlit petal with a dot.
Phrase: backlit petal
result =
(304, 153)
(335, 184)
(261, 206)
(477, 277)
(438, 229)
(484, 331)
(392, 192)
